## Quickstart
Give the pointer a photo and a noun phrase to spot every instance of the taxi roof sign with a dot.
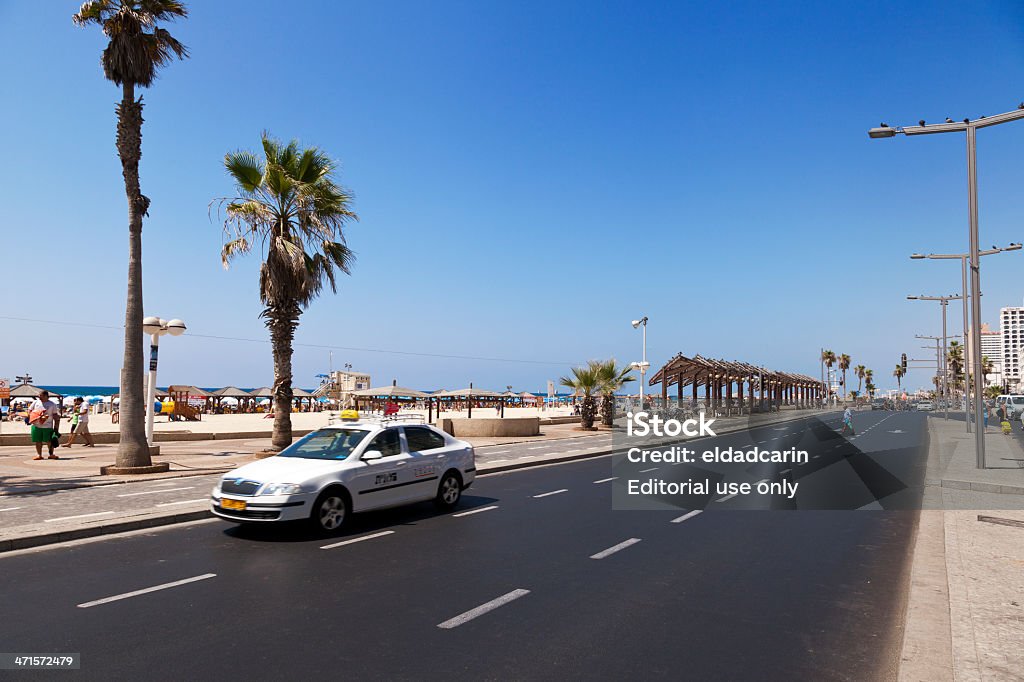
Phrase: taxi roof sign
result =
(350, 415)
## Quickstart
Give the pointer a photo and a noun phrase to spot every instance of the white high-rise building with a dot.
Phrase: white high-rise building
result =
(1012, 329)
(992, 348)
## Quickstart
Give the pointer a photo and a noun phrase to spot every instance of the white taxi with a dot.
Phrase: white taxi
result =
(352, 466)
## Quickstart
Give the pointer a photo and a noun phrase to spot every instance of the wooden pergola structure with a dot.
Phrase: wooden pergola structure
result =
(724, 381)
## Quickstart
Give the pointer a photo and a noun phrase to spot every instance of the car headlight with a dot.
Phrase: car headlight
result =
(216, 489)
(281, 489)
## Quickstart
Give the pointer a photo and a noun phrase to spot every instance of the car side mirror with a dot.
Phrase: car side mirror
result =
(372, 455)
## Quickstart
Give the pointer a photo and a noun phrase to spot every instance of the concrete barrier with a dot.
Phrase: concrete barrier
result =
(515, 426)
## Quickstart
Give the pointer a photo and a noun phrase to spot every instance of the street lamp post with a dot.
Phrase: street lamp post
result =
(943, 362)
(971, 128)
(963, 258)
(643, 364)
(156, 327)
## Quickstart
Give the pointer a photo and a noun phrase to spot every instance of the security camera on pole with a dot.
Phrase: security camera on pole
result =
(156, 327)
(643, 364)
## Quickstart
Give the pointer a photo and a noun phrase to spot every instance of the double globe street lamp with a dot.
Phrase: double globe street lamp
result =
(156, 327)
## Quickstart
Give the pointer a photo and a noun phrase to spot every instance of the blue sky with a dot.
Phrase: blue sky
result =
(530, 177)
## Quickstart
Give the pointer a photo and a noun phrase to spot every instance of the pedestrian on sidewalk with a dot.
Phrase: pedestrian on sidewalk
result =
(80, 424)
(44, 418)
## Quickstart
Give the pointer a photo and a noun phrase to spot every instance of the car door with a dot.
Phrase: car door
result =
(386, 481)
(426, 459)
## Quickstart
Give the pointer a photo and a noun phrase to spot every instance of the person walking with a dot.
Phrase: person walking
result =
(44, 419)
(80, 424)
(848, 422)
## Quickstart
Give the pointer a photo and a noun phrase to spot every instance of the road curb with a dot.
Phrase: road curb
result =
(101, 484)
(40, 539)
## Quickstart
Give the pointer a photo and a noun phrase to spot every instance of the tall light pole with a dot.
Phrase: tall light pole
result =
(643, 364)
(963, 258)
(943, 364)
(156, 327)
(971, 128)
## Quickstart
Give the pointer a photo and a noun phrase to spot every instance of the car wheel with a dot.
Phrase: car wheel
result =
(330, 511)
(449, 492)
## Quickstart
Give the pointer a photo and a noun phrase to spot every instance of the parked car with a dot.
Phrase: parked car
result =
(349, 467)
(1014, 405)
(924, 406)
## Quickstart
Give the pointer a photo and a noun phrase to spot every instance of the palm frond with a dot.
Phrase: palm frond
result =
(245, 169)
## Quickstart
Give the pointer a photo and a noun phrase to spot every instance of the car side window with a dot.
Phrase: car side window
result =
(421, 438)
(387, 442)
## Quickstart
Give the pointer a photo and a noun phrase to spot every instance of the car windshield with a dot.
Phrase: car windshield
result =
(326, 444)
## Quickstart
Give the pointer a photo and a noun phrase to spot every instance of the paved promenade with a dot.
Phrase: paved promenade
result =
(965, 619)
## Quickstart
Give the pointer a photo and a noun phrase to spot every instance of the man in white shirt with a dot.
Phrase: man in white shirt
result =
(80, 424)
(44, 419)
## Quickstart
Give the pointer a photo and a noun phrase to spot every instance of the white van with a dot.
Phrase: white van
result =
(1014, 405)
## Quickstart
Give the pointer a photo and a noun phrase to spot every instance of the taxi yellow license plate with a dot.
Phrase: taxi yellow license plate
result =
(232, 504)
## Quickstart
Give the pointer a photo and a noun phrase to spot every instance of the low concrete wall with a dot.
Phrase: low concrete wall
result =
(515, 426)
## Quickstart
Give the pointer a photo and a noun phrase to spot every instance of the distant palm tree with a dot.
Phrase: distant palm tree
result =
(585, 381)
(987, 367)
(829, 358)
(138, 48)
(844, 364)
(858, 372)
(613, 378)
(288, 204)
(898, 373)
(869, 376)
(955, 357)
(993, 392)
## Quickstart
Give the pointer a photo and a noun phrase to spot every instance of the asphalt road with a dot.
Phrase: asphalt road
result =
(542, 581)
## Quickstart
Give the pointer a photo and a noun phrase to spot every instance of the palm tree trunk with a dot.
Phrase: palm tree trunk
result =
(607, 409)
(282, 322)
(132, 451)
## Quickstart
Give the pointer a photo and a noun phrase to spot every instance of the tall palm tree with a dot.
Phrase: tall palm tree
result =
(987, 367)
(844, 364)
(613, 378)
(829, 358)
(138, 48)
(955, 357)
(858, 372)
(289, 204)
(585, 381)
(869, 376)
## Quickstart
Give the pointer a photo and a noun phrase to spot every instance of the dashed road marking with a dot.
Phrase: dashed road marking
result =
(78, 516)
(603, 480)
(360, 539)
(154, 492)
(10, 509)
(172, 504)
(553, 492)
(644, 471)
(726, 498)
(476, 511)
(687, 515)
(615, 548)
(482, 609)
(136, 593)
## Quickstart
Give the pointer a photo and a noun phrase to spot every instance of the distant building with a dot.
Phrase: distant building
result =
(343, 382)
(1012, 329)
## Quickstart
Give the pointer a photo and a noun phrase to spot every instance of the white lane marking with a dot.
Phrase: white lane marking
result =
(644, 471)
(726, 498)
(353, 540)
(79, 516)
(603, 480)
(171, 504)
(537, 447)
(612, 550)
(136, 593)
(816, 457)
(10, 509)
(154, 492)
(482, 609)
(496, 452)
(476, 511)
(785, 471)
(553, 492)
(687, 515)
(764, 480)
(496, 461)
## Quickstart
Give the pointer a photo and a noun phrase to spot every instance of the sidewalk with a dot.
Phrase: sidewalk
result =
(965, 615)
(34, 490)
